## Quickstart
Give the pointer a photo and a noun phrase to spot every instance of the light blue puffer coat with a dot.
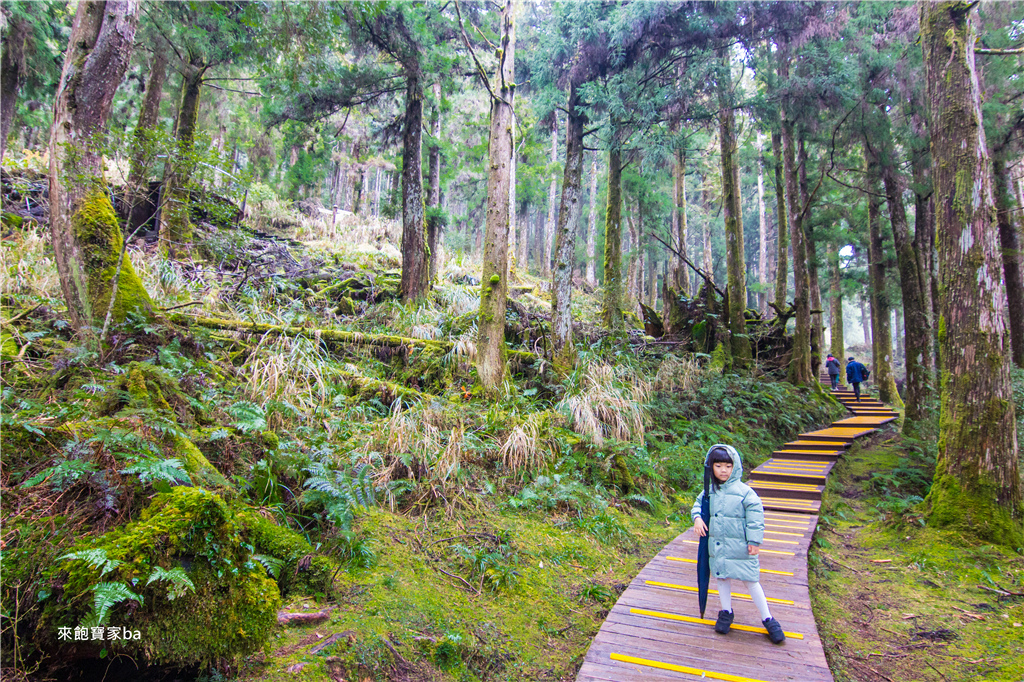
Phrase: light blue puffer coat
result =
(737, 520)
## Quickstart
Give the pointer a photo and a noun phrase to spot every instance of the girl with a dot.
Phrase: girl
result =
(737, 529)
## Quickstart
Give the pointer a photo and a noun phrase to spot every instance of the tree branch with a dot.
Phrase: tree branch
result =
(706, 277)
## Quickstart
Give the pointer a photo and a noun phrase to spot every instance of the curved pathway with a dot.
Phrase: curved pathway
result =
(653, 633)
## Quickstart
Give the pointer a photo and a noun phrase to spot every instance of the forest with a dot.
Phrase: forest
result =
(384, 340)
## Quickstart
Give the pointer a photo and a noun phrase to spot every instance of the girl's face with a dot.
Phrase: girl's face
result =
(722, 471)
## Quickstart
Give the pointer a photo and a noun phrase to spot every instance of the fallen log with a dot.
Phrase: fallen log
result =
(291, 618)
(335, 337)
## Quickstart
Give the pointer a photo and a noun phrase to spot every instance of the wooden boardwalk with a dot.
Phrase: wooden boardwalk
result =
(653, 633)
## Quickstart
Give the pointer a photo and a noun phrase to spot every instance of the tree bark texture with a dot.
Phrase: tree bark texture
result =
(12, 76)
(415, 263)
(811, 248)
(782, 258)
(565, 238)
(977, 483)
(800, 363)
(924, 243)
(838, 342)
(611, 309)
(736, 282)
(1009, 242)
(434, 226)
(501, 148)
(549, 224)
(917, 346)
(86, 236)
(175, 223)
(137, 209)
(592, 224)
(762, 236)
(680, 274)
(708, 255)
(881, 308)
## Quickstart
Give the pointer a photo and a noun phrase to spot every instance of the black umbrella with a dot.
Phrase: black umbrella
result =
(703, 559)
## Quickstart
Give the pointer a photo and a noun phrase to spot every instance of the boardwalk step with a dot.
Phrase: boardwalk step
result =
(829, 445)
(864, 420)
(790, 504)
(792, 470)
(832, 434)
(808, 455)
(800, 491)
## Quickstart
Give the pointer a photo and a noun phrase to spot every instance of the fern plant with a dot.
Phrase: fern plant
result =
(248, 416)
(106, 596)
(169, 471)
(180, 584)
(340, 494)
(272, 564)
(96, 558)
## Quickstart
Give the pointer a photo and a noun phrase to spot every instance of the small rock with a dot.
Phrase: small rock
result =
(295, 667)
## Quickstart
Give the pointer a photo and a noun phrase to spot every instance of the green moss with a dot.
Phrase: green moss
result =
(270, 440)
(303, 572)
(719, 357)
(8, 348)
(232, 610)
(98, 235)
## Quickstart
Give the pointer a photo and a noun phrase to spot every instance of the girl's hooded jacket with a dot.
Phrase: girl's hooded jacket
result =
(737, 520)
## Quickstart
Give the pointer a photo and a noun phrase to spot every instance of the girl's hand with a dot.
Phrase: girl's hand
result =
(699, 527)
(753, 550)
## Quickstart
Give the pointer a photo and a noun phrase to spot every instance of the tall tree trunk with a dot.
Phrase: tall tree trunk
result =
(817, 327)
(565, 238)
(136, 206)
(782, 258)
(881, 308)
(708, 255)
(549, 224)
(918, 350)
(1009, 241)
(87, 240)
(592, 223)
(800, 363)
(679, 275)
(924, 241)
(12, 75)
(736, 282)
(175, 222)
(762, 234)
(513, 211)
(415, 259)
(434, 223)
(501, 148)
(977, 484)
(838, 342)
(611, 309)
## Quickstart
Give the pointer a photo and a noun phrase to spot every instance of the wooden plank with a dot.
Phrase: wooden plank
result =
(796, 491)
(864, 420)
(800, 444)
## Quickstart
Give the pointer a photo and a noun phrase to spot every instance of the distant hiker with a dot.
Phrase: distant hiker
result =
(736, 533)
(832, 365)
(856, 373)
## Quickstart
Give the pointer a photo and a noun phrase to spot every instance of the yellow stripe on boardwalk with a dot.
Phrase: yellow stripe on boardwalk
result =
(705, 621)
(693, 561)
(780, 532)
(783, 525)
(769, 551)
(784, 516)
(738, 595)
(711, 675)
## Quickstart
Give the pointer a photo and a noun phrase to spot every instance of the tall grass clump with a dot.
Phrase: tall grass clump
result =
(605, 401)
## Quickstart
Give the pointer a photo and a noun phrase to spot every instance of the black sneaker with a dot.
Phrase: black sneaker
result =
(724, 622)
(775, 632)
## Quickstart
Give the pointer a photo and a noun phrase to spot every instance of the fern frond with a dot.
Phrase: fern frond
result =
(179, 581)
(105, 597)
(97, 558)
(168, 470)
(272, 564)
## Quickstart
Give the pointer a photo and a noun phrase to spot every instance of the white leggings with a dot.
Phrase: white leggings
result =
(756, 593)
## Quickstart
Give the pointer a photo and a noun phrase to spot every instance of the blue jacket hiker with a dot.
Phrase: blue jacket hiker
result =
(734, 537)
(855, 374)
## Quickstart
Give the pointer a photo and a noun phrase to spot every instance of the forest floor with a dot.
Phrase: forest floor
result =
(896, 601)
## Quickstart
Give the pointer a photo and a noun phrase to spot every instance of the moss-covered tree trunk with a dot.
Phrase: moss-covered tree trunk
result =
(782, 225)
(762, 234)
(736, 283)
(434, 222)
(415, 263)
(494, 288)
(838, 342)
(680, 229)
(881, 307)
(917, 347)
(1009, 241)
(565, 237)
(800, 362)
(977, 483)
(811, 248)
(87, 238)
(175, 222)
(12, 75)
(592, 224)
(611, 306)
(136, 207)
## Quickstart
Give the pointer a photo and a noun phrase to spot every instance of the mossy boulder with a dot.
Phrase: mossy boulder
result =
(303, 571)
(229, 614)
